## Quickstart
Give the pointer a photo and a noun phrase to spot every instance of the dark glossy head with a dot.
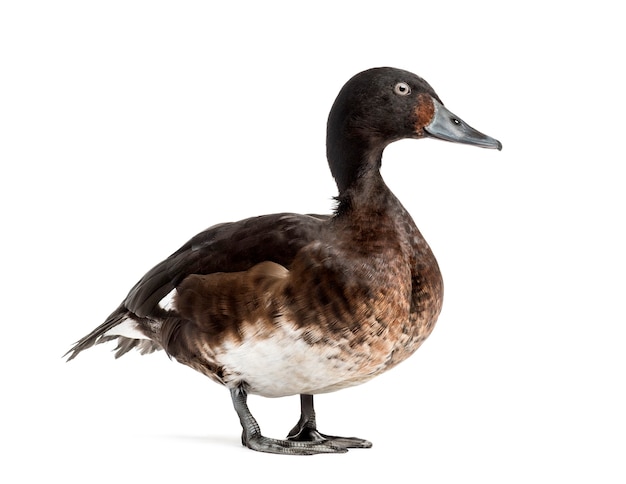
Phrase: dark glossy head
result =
(382, 105)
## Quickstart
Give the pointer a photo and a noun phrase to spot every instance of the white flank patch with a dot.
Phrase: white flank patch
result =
(167, 302)
(128, 328)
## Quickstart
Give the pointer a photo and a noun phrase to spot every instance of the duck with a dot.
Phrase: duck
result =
(303, 304)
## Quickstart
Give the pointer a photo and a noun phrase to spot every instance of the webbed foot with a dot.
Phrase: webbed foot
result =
(306, 430)
(253, 439)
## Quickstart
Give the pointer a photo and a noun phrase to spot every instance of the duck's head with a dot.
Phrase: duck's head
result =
(382, 105)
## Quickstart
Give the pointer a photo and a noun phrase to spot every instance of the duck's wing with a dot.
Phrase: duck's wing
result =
(228, 247)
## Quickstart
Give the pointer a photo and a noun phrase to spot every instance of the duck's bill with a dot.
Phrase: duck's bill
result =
(447, 126)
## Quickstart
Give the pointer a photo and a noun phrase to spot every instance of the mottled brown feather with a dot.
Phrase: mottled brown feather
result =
(365, 281)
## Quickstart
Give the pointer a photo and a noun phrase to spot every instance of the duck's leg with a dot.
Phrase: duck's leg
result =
(306, 429)
(252, 438)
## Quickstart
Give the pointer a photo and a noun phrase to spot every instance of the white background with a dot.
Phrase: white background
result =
(126, 127)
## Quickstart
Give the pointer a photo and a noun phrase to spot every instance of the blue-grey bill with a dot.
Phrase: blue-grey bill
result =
(447, 126)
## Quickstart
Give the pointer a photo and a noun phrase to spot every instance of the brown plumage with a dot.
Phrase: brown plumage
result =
(304, 304)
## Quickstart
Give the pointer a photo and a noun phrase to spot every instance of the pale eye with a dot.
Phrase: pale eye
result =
(402, 88)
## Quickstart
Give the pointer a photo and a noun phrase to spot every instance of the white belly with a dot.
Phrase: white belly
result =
(282, 363)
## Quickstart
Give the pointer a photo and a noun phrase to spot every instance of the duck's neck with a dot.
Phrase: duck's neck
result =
(367, 194)
(351, 158)
(356, 169)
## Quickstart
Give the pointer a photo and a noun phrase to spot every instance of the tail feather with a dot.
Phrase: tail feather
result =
(102, 334)
(124, 345)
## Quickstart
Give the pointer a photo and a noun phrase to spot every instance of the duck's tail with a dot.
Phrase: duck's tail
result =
(122, 326)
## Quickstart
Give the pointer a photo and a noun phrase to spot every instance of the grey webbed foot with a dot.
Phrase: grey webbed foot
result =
(253, 439)
(306, 430)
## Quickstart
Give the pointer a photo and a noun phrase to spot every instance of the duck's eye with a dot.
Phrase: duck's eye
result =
(402, 88)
